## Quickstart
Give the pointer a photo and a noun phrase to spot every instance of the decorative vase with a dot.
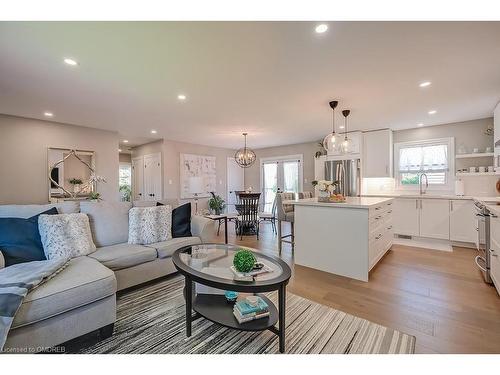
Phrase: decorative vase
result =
(323, 196)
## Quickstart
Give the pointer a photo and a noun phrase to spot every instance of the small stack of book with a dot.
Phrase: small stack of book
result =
(246, 312)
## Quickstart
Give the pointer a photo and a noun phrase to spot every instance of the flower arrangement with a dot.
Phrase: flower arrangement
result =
(327, 191)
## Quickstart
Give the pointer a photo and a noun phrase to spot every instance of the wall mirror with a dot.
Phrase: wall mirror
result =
(70, 174)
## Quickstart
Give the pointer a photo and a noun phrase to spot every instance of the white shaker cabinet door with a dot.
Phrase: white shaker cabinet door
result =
(406, 216)
(435, 218)
(495, 251)
(462, 221)
(377, 153)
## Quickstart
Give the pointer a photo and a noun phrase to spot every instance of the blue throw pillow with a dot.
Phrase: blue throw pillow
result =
(181, 220)
(20, 239)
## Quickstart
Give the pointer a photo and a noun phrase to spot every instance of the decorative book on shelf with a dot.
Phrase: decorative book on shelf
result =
(245, 312)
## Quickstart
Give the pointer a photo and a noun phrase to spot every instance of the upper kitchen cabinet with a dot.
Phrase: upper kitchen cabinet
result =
(377, 153)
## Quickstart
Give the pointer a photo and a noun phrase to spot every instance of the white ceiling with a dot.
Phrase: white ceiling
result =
(271, 79)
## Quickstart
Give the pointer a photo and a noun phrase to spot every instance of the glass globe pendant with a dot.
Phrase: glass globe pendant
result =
(245, 157)
(330, 142)
(346, 143)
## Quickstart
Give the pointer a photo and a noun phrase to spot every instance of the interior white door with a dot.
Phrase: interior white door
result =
(235, 182)
(138, 178)
(434, 218)
(406, 216)
(462, 221)
(152, 177)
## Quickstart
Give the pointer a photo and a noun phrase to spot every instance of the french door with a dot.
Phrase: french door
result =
(280, 174)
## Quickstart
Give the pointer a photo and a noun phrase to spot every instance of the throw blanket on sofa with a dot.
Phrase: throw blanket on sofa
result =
(16, 282)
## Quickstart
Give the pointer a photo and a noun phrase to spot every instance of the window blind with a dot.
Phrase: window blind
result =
(421, 159)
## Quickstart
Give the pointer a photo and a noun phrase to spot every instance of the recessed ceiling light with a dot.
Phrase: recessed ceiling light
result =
(320, 29)
(125, 141)
(341, 126)
(181, 97)
(433, 112)
(119, 150)
(153, 131)
(70, 61)
(420, 125)
(48, 114)
(425, 84)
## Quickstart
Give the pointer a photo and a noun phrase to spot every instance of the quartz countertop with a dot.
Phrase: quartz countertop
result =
(351, 202)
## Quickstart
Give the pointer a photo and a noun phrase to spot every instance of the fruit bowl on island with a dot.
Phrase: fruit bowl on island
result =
(337, 198)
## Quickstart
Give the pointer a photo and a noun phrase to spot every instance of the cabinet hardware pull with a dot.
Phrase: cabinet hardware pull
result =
(389, 228)
(389, 212)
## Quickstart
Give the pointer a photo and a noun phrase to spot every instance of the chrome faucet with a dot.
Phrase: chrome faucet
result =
(420, 183)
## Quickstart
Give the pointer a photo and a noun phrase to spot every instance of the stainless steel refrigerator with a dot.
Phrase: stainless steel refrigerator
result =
(346, 172)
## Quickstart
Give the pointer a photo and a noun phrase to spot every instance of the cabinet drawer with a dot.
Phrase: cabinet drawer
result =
(495, 268)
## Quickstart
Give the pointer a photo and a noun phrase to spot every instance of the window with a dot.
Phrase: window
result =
(434, 157)
(125, 181)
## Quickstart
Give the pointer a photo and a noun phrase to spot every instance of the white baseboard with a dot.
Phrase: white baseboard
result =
(427, 243)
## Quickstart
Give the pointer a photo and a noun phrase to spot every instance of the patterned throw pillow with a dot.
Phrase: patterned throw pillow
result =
(149, 224)
(66, 235)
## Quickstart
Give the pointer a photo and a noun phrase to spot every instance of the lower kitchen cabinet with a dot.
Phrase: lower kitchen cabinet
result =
(435, 218)
(495, 251)
(462, 221)
(406, 216)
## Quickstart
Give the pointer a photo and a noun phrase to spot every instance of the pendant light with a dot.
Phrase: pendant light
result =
(346, 144)
(245, 157)
(330, 141)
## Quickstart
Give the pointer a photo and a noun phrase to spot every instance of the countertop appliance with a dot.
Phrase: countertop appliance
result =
(347, 173)
(483, 260)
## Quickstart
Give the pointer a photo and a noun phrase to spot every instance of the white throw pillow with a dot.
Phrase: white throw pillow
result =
(2, 261)
(149, 224)
(66, 235)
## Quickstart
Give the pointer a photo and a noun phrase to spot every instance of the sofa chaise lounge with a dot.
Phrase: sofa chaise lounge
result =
(82, 298)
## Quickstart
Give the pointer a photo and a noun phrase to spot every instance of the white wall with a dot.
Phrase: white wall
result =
(23, 157)
(171, 151)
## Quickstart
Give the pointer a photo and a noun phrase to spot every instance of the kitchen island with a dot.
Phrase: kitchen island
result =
(346, 239)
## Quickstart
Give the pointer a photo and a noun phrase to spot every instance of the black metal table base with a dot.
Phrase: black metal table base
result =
(280, 332)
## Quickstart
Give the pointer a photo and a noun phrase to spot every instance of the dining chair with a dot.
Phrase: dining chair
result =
(285, 212)
(305, 194)
(269, 216)
(248, 218)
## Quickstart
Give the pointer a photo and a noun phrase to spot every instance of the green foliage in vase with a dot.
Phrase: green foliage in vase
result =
(216, 203)
(244, 260)
(75, 181)
(95, 196)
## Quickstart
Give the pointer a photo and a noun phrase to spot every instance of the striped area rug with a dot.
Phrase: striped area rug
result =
(151, 320)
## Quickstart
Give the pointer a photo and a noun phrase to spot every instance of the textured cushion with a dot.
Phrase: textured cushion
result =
(108, 221)
(181, 220)
(83, 281)
(28, 210)
(20, 239)
(65, 235)
(165, 249)
(149, 224)
(124, 255)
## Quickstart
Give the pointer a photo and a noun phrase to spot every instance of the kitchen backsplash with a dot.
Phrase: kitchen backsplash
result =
(481, 186)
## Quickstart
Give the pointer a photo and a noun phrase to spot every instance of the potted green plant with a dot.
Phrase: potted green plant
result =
(216, 204)
(244, 261)
(76, 182)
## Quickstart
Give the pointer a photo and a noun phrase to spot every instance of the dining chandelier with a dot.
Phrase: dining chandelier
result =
(245, 156)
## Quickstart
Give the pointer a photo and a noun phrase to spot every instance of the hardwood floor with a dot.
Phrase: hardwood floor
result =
(437, 296)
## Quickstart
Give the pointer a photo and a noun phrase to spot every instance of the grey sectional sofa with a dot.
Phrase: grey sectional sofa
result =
(82, 298)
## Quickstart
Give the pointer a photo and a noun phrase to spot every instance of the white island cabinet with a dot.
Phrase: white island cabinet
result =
(345, 239)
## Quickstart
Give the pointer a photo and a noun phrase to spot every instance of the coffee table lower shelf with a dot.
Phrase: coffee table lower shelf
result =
(216, 309)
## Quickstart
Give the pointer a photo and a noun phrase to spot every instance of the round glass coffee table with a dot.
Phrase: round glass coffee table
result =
(209, 265)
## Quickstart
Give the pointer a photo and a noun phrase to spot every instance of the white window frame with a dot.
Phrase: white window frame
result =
(450, 174)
